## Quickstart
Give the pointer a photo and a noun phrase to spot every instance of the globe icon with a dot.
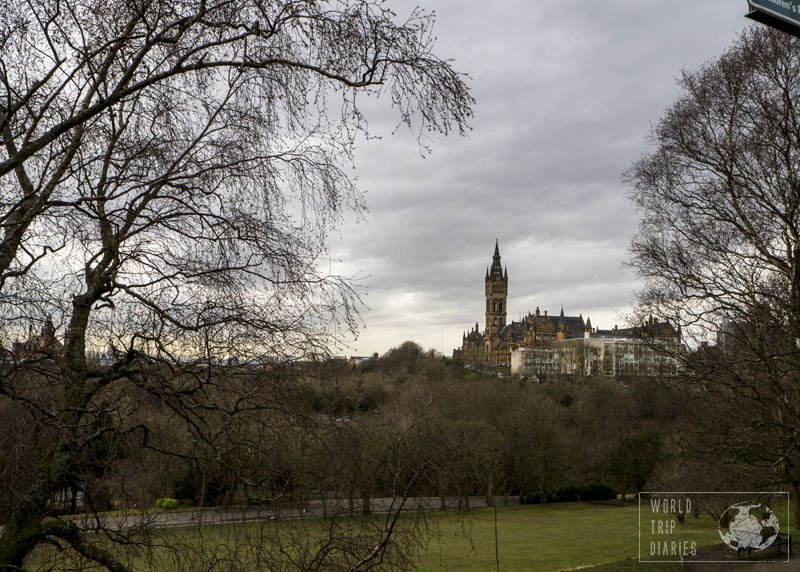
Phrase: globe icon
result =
(747, 525)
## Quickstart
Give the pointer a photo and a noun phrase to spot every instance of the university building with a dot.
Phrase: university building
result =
(543, 344)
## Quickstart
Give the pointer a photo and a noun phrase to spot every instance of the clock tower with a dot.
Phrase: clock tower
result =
(496, 296)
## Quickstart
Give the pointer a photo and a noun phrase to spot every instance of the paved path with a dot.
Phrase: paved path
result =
(731, 562)
(275, 511)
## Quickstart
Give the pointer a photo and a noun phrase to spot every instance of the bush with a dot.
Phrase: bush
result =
(597, 491)
(532, 498)
(166, 503)
(583, 493)
(188, 487)
(568, 494)
(217, 487)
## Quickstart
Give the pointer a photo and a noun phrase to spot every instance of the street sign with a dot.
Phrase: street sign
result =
(781, 14)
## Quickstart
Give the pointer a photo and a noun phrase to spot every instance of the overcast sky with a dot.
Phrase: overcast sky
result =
(566, 95)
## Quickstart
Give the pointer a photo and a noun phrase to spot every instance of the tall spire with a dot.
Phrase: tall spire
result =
(496, 300)
(496, 272)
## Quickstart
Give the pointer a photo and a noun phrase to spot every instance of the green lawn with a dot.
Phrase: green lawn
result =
(562, 536)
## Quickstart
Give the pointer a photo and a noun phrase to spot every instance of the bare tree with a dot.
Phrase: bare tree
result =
(65, 64)
(171, 171)
(719, 241)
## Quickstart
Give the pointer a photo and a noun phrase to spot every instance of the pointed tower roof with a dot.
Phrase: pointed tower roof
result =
(588, 323)
(496, 272)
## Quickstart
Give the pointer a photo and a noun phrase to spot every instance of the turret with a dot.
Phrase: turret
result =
(561, 333)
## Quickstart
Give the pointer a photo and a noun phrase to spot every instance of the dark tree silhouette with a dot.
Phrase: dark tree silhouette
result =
(170, 173)
(719, 245)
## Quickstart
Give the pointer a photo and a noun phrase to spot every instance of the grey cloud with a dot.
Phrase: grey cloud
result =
(566, 94)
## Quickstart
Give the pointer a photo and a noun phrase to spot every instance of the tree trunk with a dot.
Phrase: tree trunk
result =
(792, 479)
(794, 494)
(18, 540)
(365, 503)
(25, 529)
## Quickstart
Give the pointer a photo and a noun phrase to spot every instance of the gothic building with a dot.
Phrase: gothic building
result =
(539, 331)
(494, 345)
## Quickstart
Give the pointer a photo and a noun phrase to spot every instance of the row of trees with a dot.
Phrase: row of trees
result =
(433, 429)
